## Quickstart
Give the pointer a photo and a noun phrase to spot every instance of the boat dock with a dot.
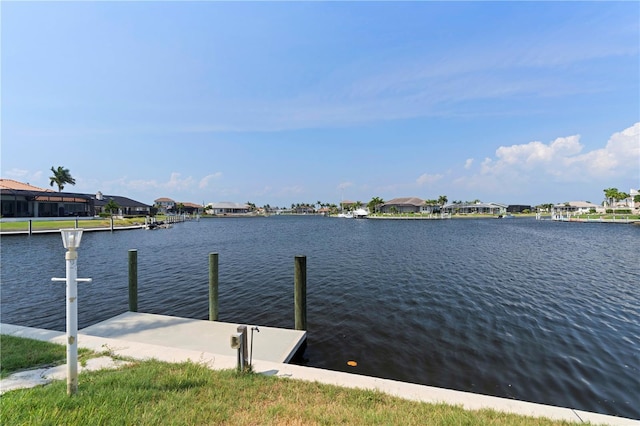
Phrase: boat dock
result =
(270, 343)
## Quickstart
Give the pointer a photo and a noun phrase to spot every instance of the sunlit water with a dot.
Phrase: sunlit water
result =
(532, 310)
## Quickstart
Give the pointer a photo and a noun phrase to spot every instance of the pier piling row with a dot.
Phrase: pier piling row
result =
(300, 288)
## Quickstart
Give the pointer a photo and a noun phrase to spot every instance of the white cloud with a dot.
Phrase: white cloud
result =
(137, 185)
(22, 175)
(175, 183)
(564, 158)
(206, 181)
(428, 179)
(178, 183)
(541, 168)
(468, 163)
(620, 156)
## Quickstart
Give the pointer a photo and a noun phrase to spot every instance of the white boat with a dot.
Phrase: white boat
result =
(360, 214)
(347, 215)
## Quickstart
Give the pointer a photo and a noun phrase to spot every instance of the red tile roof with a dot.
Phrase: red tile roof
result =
(19, 186)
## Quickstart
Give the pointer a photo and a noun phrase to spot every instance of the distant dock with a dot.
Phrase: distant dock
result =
(624, 221)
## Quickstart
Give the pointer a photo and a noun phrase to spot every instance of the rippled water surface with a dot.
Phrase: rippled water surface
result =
(533, 310)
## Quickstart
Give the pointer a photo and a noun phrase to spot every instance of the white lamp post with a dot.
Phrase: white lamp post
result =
(71, 241)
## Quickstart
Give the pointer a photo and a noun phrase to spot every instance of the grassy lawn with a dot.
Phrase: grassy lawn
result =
(60, 224)
(153, 392)
(19, 354)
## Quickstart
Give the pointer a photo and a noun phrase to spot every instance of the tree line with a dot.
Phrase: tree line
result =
(61, 177)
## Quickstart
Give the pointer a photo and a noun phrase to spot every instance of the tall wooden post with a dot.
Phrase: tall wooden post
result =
(30, 227)
(111, 223)
(133, 280)
(300, 292)
(213, 287)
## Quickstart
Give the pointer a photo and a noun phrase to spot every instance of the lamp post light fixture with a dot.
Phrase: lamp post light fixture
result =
(71, 241)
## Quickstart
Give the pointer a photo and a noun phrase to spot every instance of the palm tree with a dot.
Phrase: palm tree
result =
(61, 176)
(442, 200)
(375, 203)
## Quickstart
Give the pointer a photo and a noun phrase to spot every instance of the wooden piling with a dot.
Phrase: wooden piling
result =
(30, 227)
(133, 280)
(111, 223)
(300, 292)
(213, 287)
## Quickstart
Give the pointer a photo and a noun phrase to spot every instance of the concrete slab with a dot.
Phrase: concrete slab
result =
(44, 376)
(269, 343)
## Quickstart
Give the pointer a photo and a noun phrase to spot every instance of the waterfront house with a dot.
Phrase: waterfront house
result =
(518, 208)
(23, 200)
(304, 209)
(126, 206)
(227, 207)
(406, 205)
(633, 193)
(192, 208)
(475, 208)
(164, 205)
(18, 199)
(626, 203)
(576, 207)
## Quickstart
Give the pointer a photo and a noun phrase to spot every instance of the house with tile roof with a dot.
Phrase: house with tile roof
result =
(406, 205)
(164, 205)
(18, 199)
(192, 208)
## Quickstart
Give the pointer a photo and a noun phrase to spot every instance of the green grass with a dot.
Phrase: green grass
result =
(607, 216)
(17, 354)
(157, 393)
(39, 225)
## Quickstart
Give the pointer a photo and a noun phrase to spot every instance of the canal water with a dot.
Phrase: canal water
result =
(533, 310)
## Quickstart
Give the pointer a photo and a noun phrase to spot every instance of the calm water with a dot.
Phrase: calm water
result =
(533, 310)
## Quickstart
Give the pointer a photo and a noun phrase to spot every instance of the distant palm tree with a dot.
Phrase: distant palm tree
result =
(374, 204)
(442, 200)
(61, 176)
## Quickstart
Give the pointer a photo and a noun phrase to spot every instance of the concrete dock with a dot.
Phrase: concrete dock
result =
(269, 343)
(171, 339)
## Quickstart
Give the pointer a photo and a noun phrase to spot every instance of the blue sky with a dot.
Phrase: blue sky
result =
(291, 102)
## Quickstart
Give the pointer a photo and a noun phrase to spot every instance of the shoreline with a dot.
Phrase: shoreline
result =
(174, 352)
